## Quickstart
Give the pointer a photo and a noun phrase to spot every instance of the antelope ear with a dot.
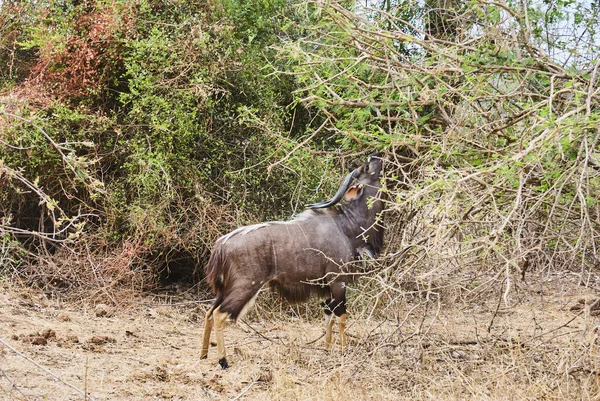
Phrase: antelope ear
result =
(352, 193)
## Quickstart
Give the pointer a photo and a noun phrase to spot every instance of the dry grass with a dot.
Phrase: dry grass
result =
(536, 348)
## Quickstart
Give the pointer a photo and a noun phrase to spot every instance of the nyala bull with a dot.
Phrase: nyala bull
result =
(312, 254)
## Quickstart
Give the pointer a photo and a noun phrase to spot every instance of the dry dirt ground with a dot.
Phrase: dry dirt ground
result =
(540, 342)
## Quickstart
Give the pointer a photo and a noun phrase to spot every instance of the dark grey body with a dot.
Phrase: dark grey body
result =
(298, 258)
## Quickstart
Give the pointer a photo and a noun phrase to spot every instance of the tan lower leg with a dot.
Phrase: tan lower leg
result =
(208, 325)
(219, 321)
(328, 329)
(342, 327)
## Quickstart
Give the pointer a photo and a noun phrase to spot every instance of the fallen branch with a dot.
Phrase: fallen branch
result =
(13, 385)
(83, 393)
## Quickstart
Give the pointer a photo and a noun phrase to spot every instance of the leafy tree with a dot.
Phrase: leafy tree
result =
(494, 139)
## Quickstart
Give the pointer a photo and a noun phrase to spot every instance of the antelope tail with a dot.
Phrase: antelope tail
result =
(214, 272)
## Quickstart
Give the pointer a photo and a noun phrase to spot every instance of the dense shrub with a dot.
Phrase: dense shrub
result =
(149, 122)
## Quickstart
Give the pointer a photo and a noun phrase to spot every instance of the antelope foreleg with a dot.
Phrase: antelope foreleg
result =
(328, 329)
(342, 328)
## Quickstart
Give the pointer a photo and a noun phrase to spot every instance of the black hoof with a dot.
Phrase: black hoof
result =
(204, 357)
(223, 363)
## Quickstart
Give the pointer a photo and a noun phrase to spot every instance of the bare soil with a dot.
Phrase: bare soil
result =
(540, 342)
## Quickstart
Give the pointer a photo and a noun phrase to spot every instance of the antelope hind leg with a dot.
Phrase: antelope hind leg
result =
(219, 322)
(208, 325)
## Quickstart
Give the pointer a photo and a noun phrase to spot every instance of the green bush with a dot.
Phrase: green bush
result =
(137, 119)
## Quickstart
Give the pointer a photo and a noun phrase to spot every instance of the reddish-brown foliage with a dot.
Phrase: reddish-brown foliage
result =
(88, 62)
